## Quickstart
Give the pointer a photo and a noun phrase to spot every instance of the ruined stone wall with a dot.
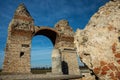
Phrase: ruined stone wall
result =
(20, 32)
(98, 45)
(66, 36)
(65, 44)
(17, 51)
(17, 57)
(70, 62)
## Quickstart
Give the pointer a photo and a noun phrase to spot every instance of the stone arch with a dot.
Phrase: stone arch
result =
(53, 35)
(48, 32)
(18, 46)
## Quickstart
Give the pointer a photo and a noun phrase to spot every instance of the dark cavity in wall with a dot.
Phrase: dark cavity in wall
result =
(25, 45)
(65, 67)
(21, 54)
(119, 38)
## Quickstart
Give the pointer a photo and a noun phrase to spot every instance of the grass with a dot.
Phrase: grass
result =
(38, 71)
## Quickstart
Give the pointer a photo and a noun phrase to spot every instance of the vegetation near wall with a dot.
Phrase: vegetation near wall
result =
(40, 70)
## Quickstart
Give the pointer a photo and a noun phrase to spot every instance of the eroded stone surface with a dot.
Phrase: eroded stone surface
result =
(21, 30)
(98, 45)
(17, 57)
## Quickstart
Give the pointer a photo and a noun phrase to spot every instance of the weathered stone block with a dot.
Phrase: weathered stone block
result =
(100, 40)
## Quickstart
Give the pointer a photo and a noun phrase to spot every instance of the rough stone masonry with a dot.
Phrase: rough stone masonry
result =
(98, 45)
(21, 30)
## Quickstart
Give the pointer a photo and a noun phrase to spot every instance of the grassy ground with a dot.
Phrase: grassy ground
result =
(38, 71)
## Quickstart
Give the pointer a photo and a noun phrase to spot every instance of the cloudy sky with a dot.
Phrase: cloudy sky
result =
(46, 13)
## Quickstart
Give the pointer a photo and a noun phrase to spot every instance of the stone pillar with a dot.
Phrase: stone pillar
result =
(69, 62)
(18, 45)
(56, 62)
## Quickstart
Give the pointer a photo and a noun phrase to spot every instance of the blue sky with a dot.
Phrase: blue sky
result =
(46, 13)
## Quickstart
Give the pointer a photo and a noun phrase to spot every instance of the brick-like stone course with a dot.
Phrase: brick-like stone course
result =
(21, 30)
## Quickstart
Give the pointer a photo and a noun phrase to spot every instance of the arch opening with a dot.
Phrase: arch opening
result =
(41, 50)
(48, 33)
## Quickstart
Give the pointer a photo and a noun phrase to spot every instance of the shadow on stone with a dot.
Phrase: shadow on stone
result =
(65, 67)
